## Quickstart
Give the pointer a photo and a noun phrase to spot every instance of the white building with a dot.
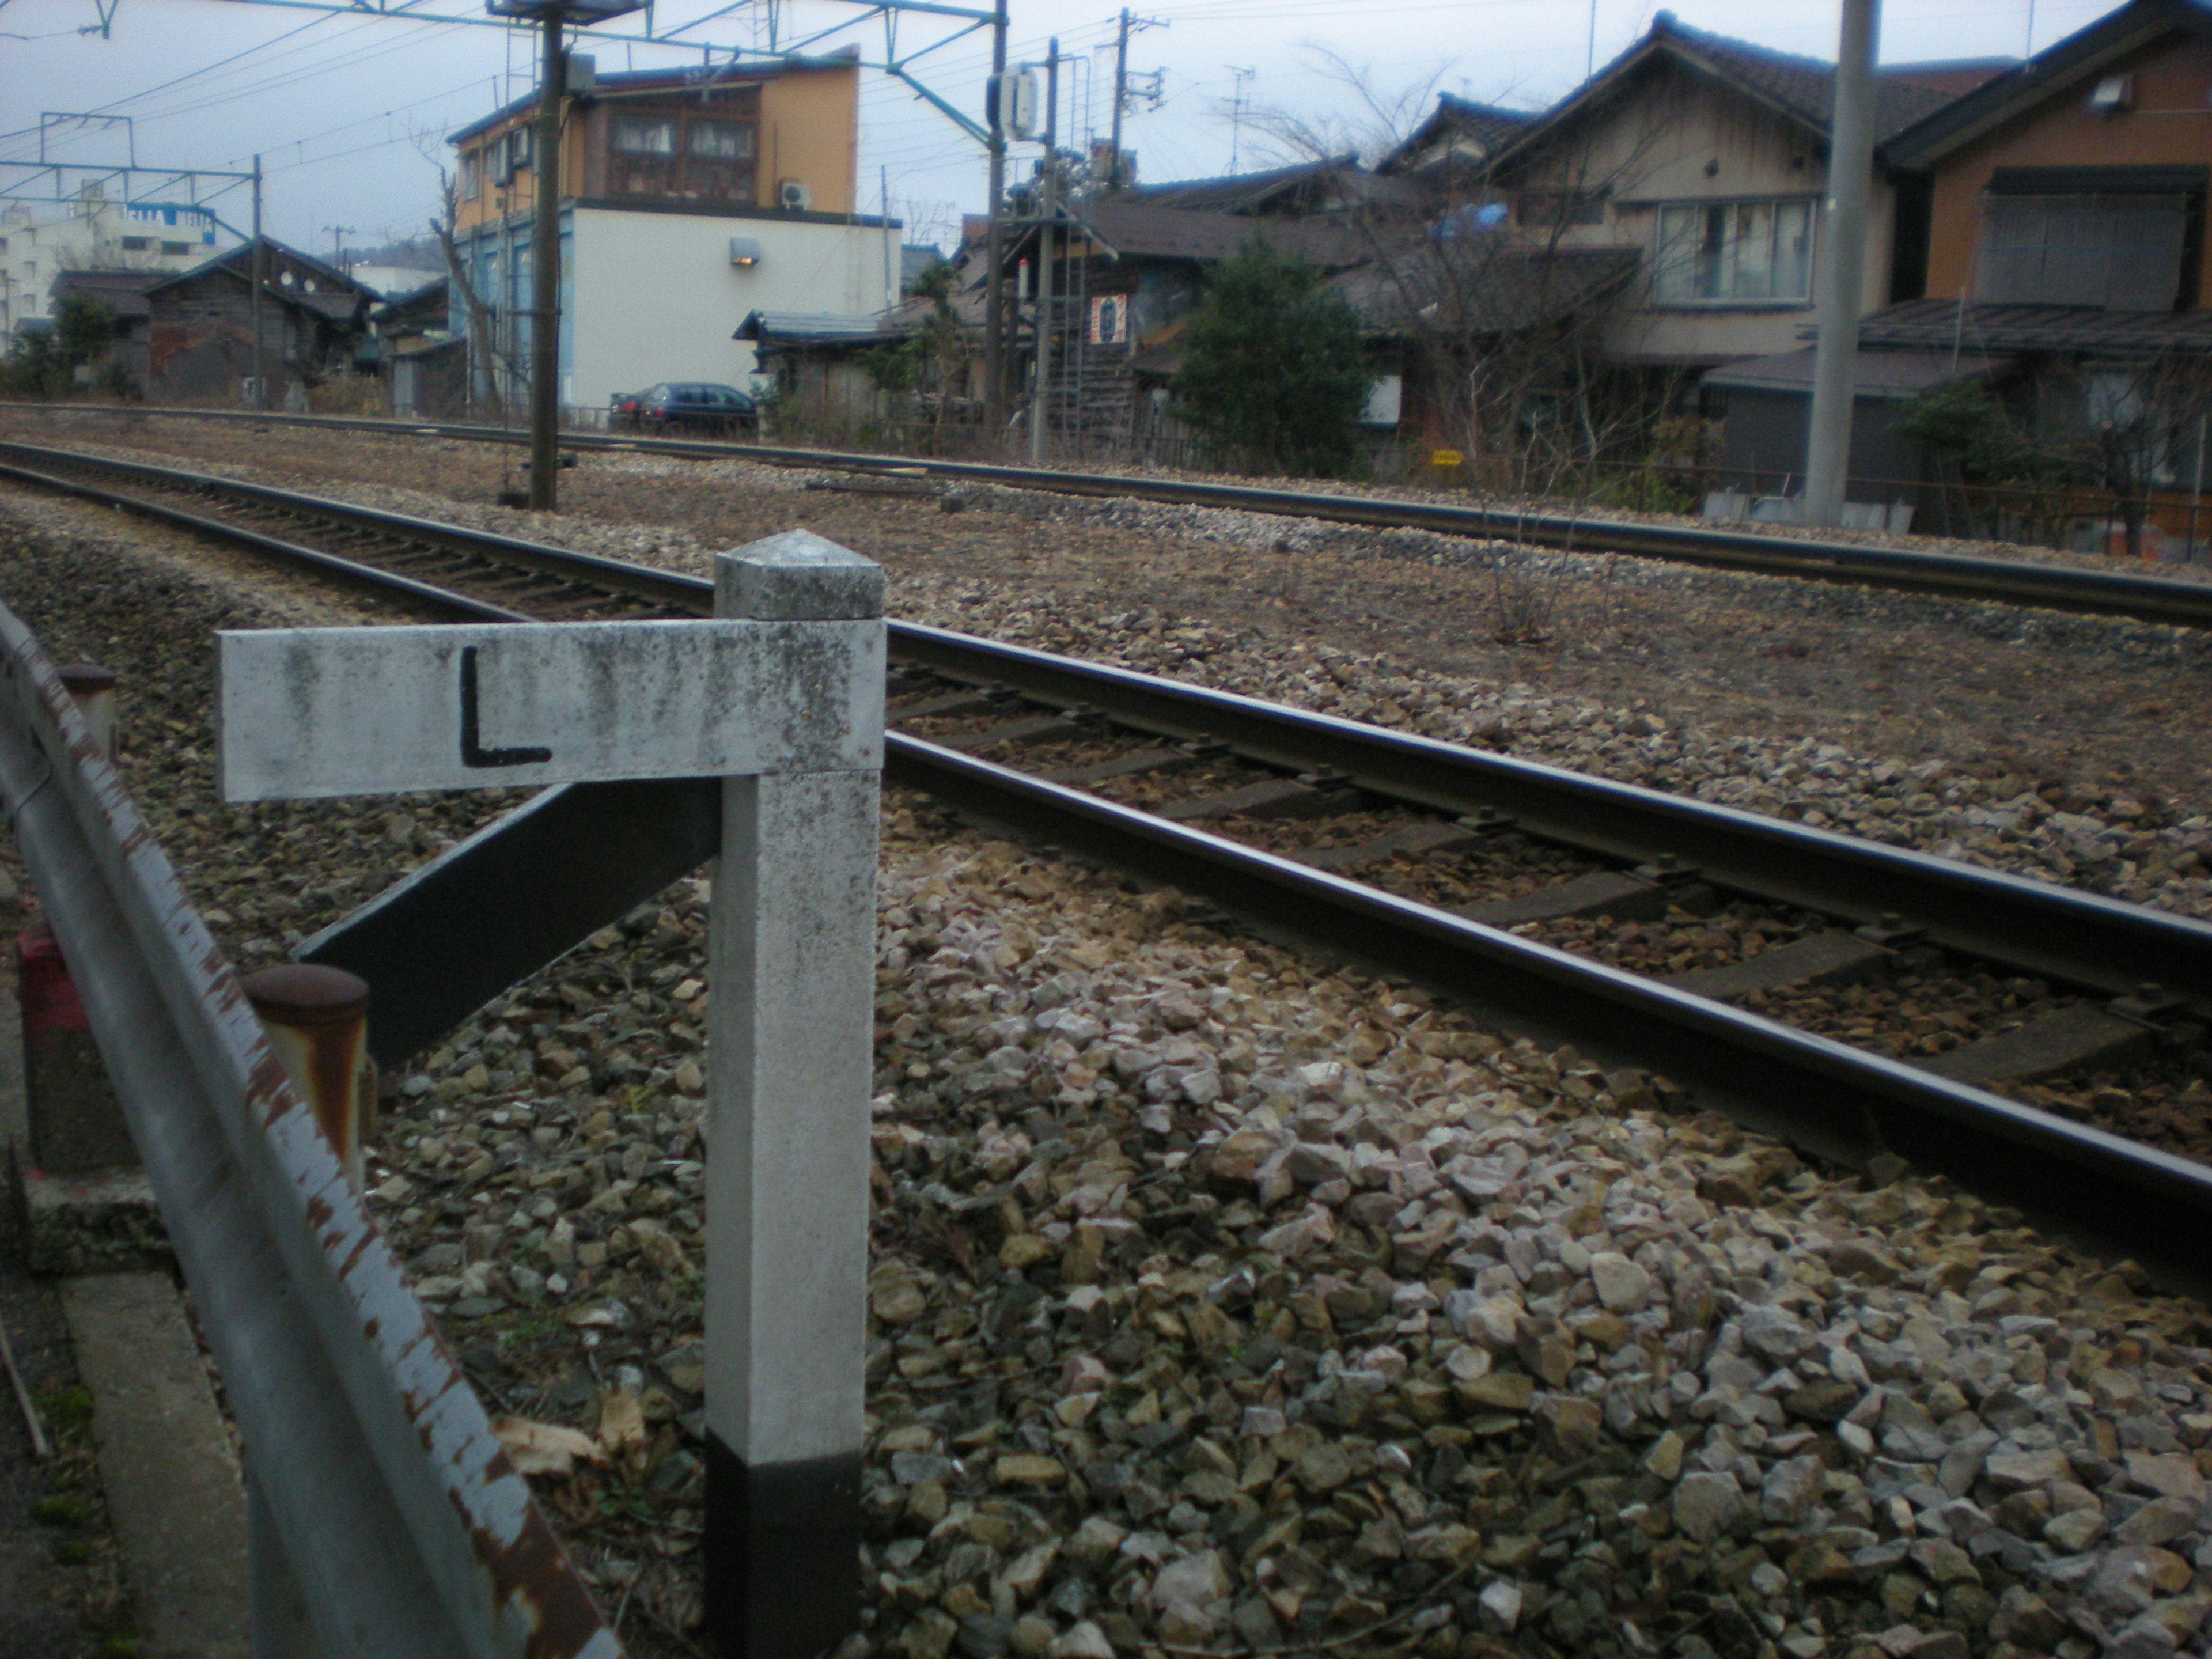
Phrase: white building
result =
(689, 202)
(93, 233)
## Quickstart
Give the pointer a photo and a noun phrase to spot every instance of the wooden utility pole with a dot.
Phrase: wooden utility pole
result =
(545, 278)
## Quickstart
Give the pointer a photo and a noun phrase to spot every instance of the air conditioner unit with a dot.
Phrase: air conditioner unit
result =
(792, 193)
(2113, 93)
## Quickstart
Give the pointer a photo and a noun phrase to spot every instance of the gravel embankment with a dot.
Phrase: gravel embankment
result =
(1225, 1302)
(2088, 714)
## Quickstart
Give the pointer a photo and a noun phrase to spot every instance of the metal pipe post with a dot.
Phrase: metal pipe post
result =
(260, 398)
(317, 1019)
(545, 279)
(1040, 394)
(1842, 268)
(792, 954)
(994, 354)
(92, 689)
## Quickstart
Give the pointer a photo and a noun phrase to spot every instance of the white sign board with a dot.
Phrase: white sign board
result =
(310, 712)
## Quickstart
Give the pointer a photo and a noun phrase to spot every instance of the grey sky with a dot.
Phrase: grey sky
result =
(343, 108)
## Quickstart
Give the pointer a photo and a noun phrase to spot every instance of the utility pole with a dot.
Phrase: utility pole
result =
(1842, 266)
(545, 278)
(994, 352)
(1121, 94)
(253, 291)
(1040, 396)
(1243, 78)
(338, 234)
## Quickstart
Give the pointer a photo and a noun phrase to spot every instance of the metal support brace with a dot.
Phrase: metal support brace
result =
(791, 946)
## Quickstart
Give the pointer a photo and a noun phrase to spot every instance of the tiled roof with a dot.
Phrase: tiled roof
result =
(1486, 127)
(1137, 230)
(1940, 324)
(1891, 374)
(1802, 89)
(1422, 286)
(1235, 191)
(123, 292)
(2064, 64)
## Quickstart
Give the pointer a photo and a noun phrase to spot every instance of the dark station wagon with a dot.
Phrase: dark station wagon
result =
(678, 406)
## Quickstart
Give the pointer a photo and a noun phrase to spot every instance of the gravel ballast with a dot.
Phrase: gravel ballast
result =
(1222, 1301)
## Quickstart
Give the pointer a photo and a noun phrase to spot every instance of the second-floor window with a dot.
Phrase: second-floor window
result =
(1736, 253)
(2117, 238)
(641, 135)
(722, 141)
(471, 173)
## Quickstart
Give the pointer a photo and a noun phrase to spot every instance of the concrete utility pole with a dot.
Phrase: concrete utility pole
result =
(994, 353)
(1120, 93)
(545, 278)
(1040, 395)
(253, 291)
(1841, 266)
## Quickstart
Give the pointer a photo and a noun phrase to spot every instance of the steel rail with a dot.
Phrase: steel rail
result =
(405, 1529)
(2032, 928)
(2145, 599)
(1837, 1102)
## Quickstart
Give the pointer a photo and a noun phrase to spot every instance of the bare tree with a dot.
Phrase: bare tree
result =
(1380, 117)
(484, 334)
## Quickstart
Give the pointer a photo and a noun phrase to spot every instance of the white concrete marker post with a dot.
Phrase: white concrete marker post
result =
(781, 696)
(790, 1059)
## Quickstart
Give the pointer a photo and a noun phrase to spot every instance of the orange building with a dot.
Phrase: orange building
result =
(690, 199)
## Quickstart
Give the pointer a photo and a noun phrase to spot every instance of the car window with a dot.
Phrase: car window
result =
(658, 393)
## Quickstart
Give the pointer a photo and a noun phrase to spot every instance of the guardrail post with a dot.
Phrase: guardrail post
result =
(317, 1019)
(92, 689)
(792, 950)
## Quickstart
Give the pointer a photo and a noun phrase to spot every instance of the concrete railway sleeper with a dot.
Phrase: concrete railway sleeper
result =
(2137, 988)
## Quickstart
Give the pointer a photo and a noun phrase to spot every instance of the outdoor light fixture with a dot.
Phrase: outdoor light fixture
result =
(744, 251)
(583, 13)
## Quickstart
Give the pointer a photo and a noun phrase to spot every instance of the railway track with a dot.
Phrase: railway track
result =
(2146, 598)
(1504, 883)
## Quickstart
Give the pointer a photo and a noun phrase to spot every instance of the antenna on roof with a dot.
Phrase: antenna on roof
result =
(1243, 78)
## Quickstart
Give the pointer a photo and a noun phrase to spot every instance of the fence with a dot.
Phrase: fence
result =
(386, 1521)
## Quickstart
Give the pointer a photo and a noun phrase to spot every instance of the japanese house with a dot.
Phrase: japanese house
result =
(689, 199)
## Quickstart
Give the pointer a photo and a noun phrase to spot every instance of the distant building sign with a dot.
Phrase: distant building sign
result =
(1109, 319)
(195, 222)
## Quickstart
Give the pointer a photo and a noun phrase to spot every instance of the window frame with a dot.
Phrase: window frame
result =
(622, 125)
(1732, 205)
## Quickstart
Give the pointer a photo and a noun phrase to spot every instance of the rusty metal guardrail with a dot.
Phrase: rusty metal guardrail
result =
(388, 1516)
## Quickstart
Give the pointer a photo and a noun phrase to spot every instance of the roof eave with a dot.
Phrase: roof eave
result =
(1945, 131)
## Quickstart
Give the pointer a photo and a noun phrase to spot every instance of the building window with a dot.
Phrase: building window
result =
(1736, 253)
(722, 141)
(1551, 209)
(472, 172)
(518, 149)
(176, 248)
(638, 135)
(136, 244)
(2119, 252)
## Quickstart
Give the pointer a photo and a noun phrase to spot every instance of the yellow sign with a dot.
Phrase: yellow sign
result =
(1445, 458)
